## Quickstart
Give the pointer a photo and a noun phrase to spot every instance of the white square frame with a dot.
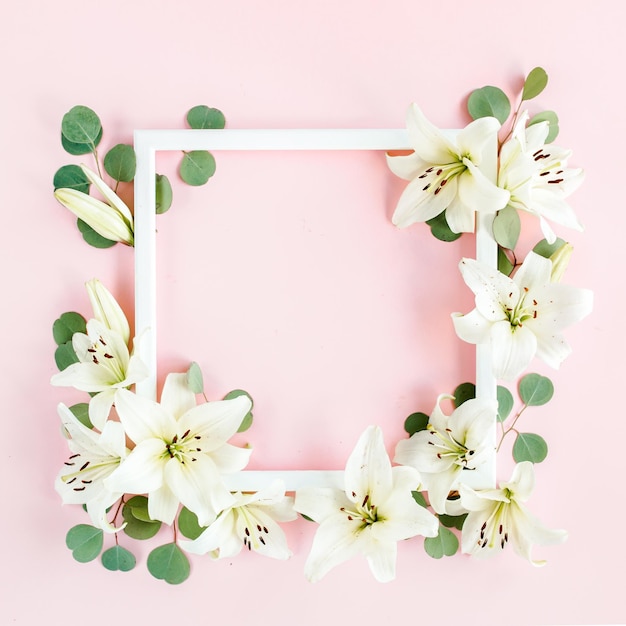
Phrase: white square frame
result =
(149, 142)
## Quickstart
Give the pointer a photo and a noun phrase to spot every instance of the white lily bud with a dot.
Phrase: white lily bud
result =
(560, 261)
(106, 309)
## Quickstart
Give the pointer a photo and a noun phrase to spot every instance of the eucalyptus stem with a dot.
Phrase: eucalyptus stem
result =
(505, 432)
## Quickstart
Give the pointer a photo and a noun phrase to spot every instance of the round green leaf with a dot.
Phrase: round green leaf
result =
(507, 227)
(85, 542)
(489, 102)
(553, 122)
(81, 413)
(463, 393)
(188, 524)
(163, 193)
(118, 559)
(120, 163)
(71, 177)
(194, 378)
(92, 237)
(202, 116)
(416, 422)
(169, 563)
(505, 402)
(81, 125)
(69, 323)
(444, 544)
(247, 420)
(64, 356)
(535, 83)
(138, 506)
(529, 447)
(440, 229)
(418, 496)
(197, 167)
(77, 149)
(453, 521)
(546, 250)
(135, 527)
(535, 390)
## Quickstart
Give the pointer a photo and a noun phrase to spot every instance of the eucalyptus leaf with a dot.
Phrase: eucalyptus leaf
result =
(138, 506)
(71, 177)
(64, 356)
(489, 101)
(247, 420)
(444, 544)
(68, 323)
(77, 149)
(197, 167)
(194, 378)
(81, 413)
(453, 521)
(92, 237)
(188, 524)
(118, 559)
(416, 422)
(418, 496)
(120, 163)
(463, 393)
(535, 83)
(81, 125)
(504, 263)
(553, 123)
(529, 447)
(440, 229)
(204, 117)
(163, 193)
(505, 402)
(169, 563)
(136, 527)
(535, 390)
(507, 227)
(546, 250)
(85, 542)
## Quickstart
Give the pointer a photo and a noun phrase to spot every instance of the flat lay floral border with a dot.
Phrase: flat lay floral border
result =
(135, 464)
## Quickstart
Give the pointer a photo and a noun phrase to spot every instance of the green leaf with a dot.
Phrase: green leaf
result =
(507, 227)
(440, 229)
(71, 177)
(453, 521)
(69, 323)
(118, 559)
(81, 125)
(197, 167)
(78, 149)
(504, 263)
(188, 524)
(505, 402)
(163, 193)
(463, 393)
(535, 390)
(202, 116)
(81, 413)
(553, 121)
(92, 237)
(489, 101)
(138, 522)
(535, 83)
(194, 378)
(169, 563)
(85, 542)
(546, 250)
(64, 356)
(419, 498)
(247, 420)
(120, 163)
(138, 506)
(444, 544)
(529, 447)
(416, 422)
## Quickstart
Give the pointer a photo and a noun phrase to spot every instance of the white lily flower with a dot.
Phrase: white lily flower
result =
(450, 445)
(94, 457)
(520, 317)
(106, 309)
(104, 366)
(537, 176)
(375, 511)
(249, 522)
(445, 174)
(111, 219)
(499, 516)
(180, 450)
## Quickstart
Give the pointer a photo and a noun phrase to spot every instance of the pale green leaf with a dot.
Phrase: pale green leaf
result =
(529, 447)
(489, 101)
(535, 83)
(535, 390)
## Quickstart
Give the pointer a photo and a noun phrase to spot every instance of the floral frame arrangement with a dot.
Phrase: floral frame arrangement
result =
(136, 464)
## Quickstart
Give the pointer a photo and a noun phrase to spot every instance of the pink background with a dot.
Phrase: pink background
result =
(361, 335)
